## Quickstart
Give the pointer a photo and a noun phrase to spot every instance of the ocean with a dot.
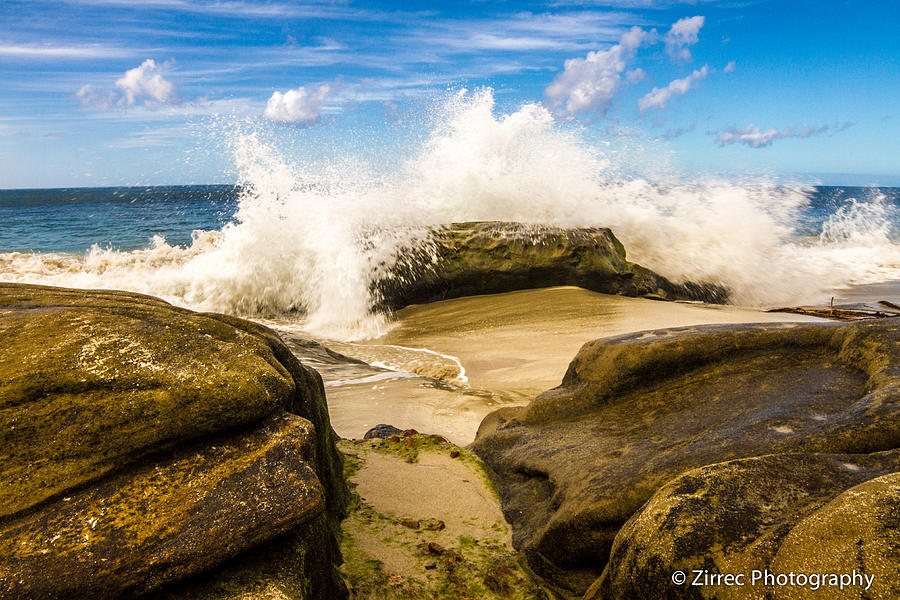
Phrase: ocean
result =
(76, 220)
(302, 245)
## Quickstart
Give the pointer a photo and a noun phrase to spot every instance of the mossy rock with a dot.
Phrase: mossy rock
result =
(166, 519)
(857, 531)
(178, 439)
(635, 411)
(466, 259)
(89, 386)
(782, 513)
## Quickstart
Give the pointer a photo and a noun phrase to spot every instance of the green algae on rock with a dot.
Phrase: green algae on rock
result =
(156, 440)
(395, 547)
(466, 259)
(781, 513)
(635, 411)
(166, 519)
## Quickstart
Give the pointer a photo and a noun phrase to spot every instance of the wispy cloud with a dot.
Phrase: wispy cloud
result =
(588, 85)
(658, 97)
(256, 10)
(520, 32)
(87, 51)
(675, 132)
(753, 136)
(153, 138)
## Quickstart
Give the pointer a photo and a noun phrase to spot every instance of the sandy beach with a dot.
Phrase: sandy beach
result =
(444, 366)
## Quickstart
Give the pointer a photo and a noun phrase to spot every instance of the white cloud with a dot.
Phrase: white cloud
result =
(753, 136)
(62, 52)
(657, 97)
(730, 67)
(684, 33)
(94, 98)
(589, 84)
(301, 106)
(145, 82)
(635, 76)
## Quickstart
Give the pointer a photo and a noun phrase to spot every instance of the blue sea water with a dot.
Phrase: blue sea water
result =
(72, 220)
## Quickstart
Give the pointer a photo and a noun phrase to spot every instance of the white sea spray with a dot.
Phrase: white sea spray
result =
(308, 241)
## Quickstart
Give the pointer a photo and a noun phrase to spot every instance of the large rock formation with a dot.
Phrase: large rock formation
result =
(810, 514)
(636, 411)
(466, 259)
(141, 444)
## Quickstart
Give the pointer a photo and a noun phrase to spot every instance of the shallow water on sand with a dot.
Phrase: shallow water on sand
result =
(445, 365)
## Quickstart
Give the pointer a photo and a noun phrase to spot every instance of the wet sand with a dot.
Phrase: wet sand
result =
(483, 352)
(415, 544)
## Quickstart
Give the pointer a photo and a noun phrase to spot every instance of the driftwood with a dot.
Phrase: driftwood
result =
(846, 312)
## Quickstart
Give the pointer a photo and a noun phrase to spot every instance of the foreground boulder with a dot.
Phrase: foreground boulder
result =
(810, 514)
(141, 444)
(466, 259)
(636, 411)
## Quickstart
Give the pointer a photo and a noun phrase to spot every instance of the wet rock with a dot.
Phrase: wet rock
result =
(467, 259)
(141, 443)
(382, 430)
(635, 411)
(801, 513)
(165, 520)
(857, 531)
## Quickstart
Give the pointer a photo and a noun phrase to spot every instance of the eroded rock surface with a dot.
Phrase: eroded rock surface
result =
(466, 259)
(142, 443)
(783, 513)
(636, 411)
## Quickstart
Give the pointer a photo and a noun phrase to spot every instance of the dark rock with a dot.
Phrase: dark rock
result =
(467, 259)
(431, 524)
(141, 443)
(435, 548)
(410, 432)
(382, 431)
(635, 411)
(802, 513)
(430, 565)
(454, 454)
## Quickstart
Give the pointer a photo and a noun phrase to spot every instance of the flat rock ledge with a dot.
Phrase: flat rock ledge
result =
(466, 259)
(143, 444)
(722, 444)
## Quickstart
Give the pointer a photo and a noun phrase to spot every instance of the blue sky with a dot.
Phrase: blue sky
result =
(134, 92)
